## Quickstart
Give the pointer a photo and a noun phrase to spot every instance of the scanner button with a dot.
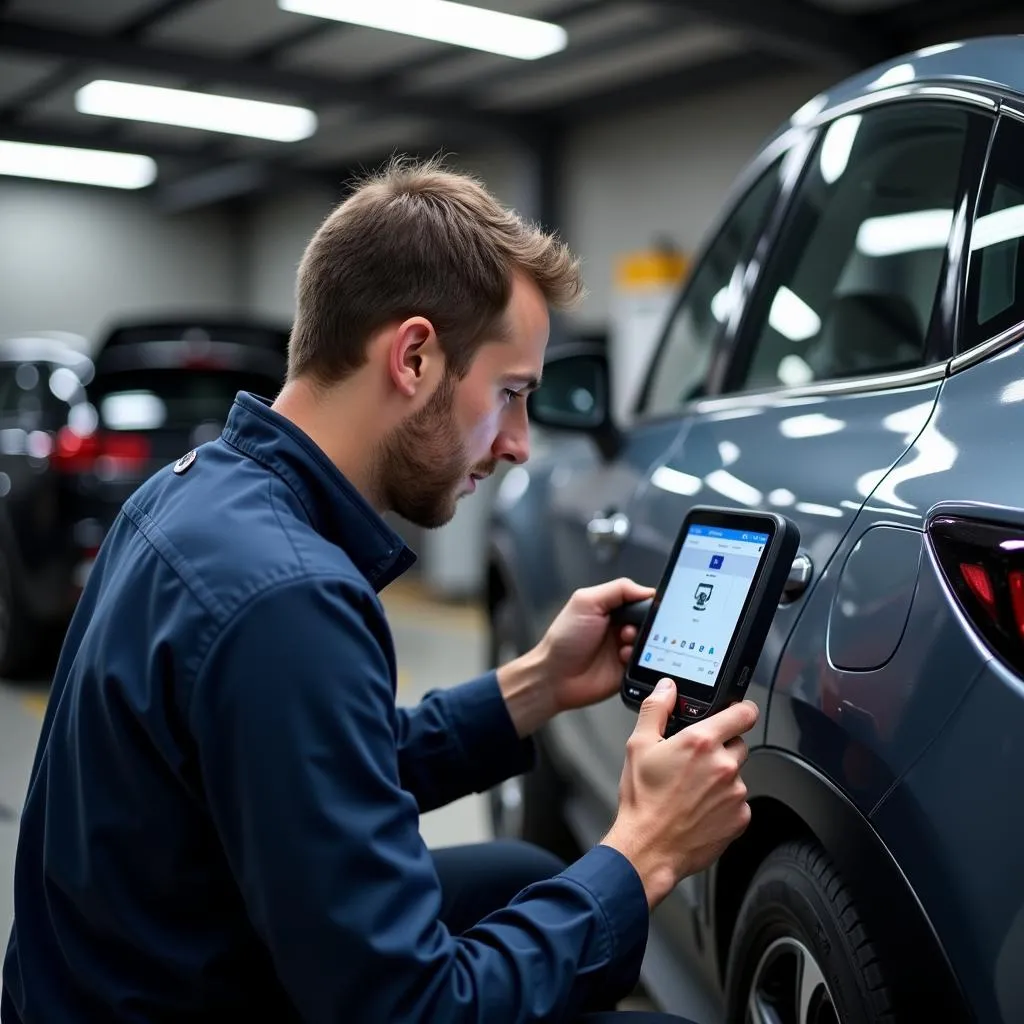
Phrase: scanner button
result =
(695, 710)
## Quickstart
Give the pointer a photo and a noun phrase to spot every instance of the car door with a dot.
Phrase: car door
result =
(594, 498)
(834, 359)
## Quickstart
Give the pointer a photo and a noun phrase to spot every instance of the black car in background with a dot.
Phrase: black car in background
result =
(78, 433)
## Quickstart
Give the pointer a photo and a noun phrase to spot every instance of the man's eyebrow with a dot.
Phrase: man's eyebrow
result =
(526, 384)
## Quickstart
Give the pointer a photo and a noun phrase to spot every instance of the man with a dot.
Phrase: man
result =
(222, 818)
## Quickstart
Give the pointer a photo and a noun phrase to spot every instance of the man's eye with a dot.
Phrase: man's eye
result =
(512, 394)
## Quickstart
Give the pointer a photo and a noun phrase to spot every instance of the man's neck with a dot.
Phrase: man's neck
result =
(349, 438)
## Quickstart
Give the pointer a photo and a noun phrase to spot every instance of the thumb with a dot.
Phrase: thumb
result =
(655, 710)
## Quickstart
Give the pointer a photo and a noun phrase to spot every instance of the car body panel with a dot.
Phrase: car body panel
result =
(862, 466)
(869, 612)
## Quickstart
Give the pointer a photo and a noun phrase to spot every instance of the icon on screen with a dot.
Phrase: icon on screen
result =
(647, 656)
(716, 561)
(692, 646)
(702, 596)
(711, 650)
(655, 637)
(701, 648)
(673, 642)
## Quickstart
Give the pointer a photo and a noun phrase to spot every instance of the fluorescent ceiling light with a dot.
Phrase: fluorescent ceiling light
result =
(1002, 226)
(733, 487)
(444, 22)
(228, 114)
(898, 75)
(83, 166)
(812, 424)
(792, 317)
(837, 147)
(794, 371)
(905, 232)
(676, 482)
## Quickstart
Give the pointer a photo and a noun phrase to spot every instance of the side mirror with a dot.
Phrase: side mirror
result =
(575, 395)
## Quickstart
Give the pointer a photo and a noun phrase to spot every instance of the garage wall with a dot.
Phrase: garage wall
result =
(664, 173)
(72, 258)
(274, 238)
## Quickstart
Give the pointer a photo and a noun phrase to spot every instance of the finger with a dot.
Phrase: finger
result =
(625, 653)
(739, 750)
(627, 634)
(734, 720)
(655, 710)
(607, 596)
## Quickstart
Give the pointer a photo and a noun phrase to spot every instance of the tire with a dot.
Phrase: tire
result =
(799, 921)
(530, 806)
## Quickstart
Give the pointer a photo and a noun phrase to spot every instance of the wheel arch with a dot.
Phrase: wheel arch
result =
(791, 799)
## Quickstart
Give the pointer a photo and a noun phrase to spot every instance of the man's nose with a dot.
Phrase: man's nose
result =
(513, 441)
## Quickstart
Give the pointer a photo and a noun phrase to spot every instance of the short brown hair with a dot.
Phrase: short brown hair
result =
(416, 239)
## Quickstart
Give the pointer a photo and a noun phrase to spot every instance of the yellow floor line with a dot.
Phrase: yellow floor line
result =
(35, 704)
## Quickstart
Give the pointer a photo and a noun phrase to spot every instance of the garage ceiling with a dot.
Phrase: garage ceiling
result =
(375, 91)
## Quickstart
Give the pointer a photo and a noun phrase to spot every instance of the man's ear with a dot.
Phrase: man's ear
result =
(415, 359)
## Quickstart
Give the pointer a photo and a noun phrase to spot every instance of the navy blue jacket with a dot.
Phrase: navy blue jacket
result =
(222, 822)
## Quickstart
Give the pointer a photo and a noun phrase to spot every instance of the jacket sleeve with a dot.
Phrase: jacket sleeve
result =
(459, 741)
(295, 728)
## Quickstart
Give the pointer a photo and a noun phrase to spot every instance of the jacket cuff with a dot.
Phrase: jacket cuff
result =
(617, 890)
(485, 733)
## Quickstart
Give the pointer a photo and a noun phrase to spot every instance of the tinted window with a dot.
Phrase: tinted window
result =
(685, 355)
(996, 278)
(852, 283)
(166, 399)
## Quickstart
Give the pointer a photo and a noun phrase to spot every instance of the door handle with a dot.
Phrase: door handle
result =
(799, 578)
(608, 531)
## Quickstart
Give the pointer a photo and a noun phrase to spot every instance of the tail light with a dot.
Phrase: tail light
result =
(984, 566)
(106, 453)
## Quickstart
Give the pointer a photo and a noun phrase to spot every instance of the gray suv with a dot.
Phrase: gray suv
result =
(849, 351)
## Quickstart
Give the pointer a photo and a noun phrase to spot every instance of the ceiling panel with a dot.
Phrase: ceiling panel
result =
(19, 73)
(90, 15)
(366, 138)
(672, 50)
(348, 51)
(229, 27)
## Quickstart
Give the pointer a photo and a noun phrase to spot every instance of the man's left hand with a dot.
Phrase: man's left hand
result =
(582, 654)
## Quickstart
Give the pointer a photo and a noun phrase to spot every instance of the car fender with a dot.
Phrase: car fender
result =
(790, 798)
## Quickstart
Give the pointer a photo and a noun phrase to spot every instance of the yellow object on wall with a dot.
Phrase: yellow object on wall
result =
(646, 286)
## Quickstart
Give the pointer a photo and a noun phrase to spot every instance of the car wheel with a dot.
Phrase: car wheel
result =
(800, 953)
(530, 806)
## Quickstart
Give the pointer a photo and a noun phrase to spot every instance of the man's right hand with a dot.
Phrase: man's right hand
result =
(681, 799)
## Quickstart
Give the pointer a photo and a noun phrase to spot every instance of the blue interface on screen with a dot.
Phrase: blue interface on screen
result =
(702, 603)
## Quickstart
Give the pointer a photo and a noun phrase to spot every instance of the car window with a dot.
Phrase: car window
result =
(995, 284)
(852, 282)
(685, 354)
(171, 399)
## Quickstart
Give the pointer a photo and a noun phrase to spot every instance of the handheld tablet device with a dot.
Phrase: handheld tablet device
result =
(706, 624)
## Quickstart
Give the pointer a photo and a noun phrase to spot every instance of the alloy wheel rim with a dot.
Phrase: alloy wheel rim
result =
(789, 987)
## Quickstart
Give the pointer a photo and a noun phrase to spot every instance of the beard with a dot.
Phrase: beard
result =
(424, 463)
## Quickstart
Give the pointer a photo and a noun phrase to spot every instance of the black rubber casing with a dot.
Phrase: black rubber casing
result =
(752, 629)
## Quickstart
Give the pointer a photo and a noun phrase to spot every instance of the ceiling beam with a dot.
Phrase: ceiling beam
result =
(47, 135)
(796, 29)
(314, 88)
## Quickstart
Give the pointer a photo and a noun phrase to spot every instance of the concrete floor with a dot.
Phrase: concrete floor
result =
(438, 646)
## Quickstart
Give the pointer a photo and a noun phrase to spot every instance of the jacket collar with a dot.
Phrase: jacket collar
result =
(335, 508)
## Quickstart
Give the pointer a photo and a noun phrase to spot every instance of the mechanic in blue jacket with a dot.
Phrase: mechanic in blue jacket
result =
(222, 822)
